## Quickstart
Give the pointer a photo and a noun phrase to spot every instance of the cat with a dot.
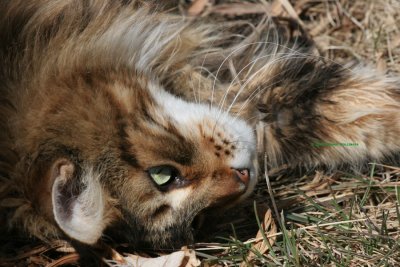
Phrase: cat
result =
(121, 121)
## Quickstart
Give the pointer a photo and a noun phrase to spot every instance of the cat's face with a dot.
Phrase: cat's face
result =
(187, 157)
(177, 160)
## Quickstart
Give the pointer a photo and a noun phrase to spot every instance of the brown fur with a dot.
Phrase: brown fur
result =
(84, 106)
(80, 114)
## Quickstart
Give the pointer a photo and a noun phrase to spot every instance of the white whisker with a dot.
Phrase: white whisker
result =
(255, 74)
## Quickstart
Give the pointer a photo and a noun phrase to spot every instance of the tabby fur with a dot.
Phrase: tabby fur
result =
(94, 93)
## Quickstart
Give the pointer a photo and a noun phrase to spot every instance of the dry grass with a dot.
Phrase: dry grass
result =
(335, 219)
(322, 219)
(364, 30)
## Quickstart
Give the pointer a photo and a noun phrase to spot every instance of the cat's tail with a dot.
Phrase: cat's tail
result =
(314, 112)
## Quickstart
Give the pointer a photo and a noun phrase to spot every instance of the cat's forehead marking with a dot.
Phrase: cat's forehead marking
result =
(147, 129)
(146, 142)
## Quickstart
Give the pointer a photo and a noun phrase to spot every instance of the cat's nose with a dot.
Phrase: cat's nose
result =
(243, 175)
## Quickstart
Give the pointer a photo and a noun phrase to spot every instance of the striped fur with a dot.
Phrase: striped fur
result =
(94, 93)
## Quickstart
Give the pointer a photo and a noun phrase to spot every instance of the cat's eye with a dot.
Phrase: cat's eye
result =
(163, 174)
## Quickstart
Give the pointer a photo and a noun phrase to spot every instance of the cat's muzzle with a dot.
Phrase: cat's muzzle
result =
(243, 175)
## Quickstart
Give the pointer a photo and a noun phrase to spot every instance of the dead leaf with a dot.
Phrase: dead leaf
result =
(270, 229)
(183, 258)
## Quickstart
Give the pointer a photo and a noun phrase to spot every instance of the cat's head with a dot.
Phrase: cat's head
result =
(172, 161)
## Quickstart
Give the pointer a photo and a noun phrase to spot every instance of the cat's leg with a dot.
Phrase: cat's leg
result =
(320, 113)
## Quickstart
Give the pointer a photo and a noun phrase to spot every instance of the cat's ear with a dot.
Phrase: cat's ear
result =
(78, 202)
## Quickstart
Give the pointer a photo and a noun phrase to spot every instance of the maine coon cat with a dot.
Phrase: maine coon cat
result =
(122, 121)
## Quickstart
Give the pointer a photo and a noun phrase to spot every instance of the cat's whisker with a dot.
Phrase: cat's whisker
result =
(275, 46)
(224, 113)
(236, 50)
(253, 95)
(292, 51)
(201, 67)
(212, 76)
(251, 64)
(255, 74)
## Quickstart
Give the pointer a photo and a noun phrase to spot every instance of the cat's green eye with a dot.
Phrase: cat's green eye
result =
(162, 174)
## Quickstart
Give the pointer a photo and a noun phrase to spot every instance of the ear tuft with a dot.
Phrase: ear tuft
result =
(78, 202)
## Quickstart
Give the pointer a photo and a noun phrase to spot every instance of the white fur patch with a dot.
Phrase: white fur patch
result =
(85, 221)
(177, 196)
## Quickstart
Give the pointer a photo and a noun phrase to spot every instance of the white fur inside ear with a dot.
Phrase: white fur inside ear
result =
(80, 216)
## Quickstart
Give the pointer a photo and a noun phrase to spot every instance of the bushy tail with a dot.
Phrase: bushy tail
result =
(317, 113)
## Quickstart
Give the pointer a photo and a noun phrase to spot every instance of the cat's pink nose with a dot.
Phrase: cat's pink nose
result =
(243, 175)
